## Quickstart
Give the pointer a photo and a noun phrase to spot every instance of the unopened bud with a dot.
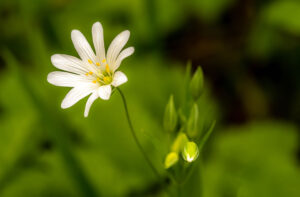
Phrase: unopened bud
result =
(190, 152)
(197, 83)
(171, 159)
(193, 121)
(179, 142)
(170, 117)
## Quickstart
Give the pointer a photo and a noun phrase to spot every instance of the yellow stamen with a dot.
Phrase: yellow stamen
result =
(86, 74)
(105, 79)
(90, 61)
(98, 79)
(107, 68)
(104, 60)
(94, 81)
(90, 72)
(97, 63)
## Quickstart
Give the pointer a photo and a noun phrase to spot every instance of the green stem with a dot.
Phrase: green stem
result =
(202, 143)
(135, 136)
(179, 190)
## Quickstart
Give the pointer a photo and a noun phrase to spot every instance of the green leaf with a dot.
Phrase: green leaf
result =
(207, 134)
(285, 15)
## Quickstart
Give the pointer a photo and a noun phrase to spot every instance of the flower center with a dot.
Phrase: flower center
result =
(107, 80)
(103, 77)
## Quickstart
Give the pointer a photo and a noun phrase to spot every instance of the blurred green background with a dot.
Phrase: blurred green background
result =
(249, 51)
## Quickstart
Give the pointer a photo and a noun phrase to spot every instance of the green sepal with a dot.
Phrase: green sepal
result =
(170, 117)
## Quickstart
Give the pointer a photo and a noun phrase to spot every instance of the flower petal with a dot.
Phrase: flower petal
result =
(116, 46)
(76, 94)
(65, 79)
(89, 103)
(82, 46)
(125, 53)
(68, 63)
(98, 40)
(119, 79)
(104, 92)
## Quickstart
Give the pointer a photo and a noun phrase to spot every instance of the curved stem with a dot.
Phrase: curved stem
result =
(135, 136)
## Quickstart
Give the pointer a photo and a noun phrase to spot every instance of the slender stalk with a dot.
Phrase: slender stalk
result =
(135, 136)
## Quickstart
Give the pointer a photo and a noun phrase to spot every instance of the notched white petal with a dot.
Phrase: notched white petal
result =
(116, 46)
(68, 63)
(125, 53)
(104, 92)
(97, 32)
(82, 46)
(89, 103)
(119, 79)
(65, 79)
(76, 94)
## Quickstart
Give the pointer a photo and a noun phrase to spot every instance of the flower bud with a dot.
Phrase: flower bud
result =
(197, 84)
(171, 159)
(170, 117)
(179, 142)
(193, 121)
(190, 152)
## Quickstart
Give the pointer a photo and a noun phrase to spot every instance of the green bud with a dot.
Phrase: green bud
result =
(179, 142)
(170, 117)
(188, 72)
(171, 159)
(190, 152)
(197, 83)
(192, 124)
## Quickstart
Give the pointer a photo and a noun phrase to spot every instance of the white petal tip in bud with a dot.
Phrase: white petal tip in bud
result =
(190, 152)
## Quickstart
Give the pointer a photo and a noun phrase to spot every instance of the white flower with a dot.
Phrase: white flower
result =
(93, 73)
